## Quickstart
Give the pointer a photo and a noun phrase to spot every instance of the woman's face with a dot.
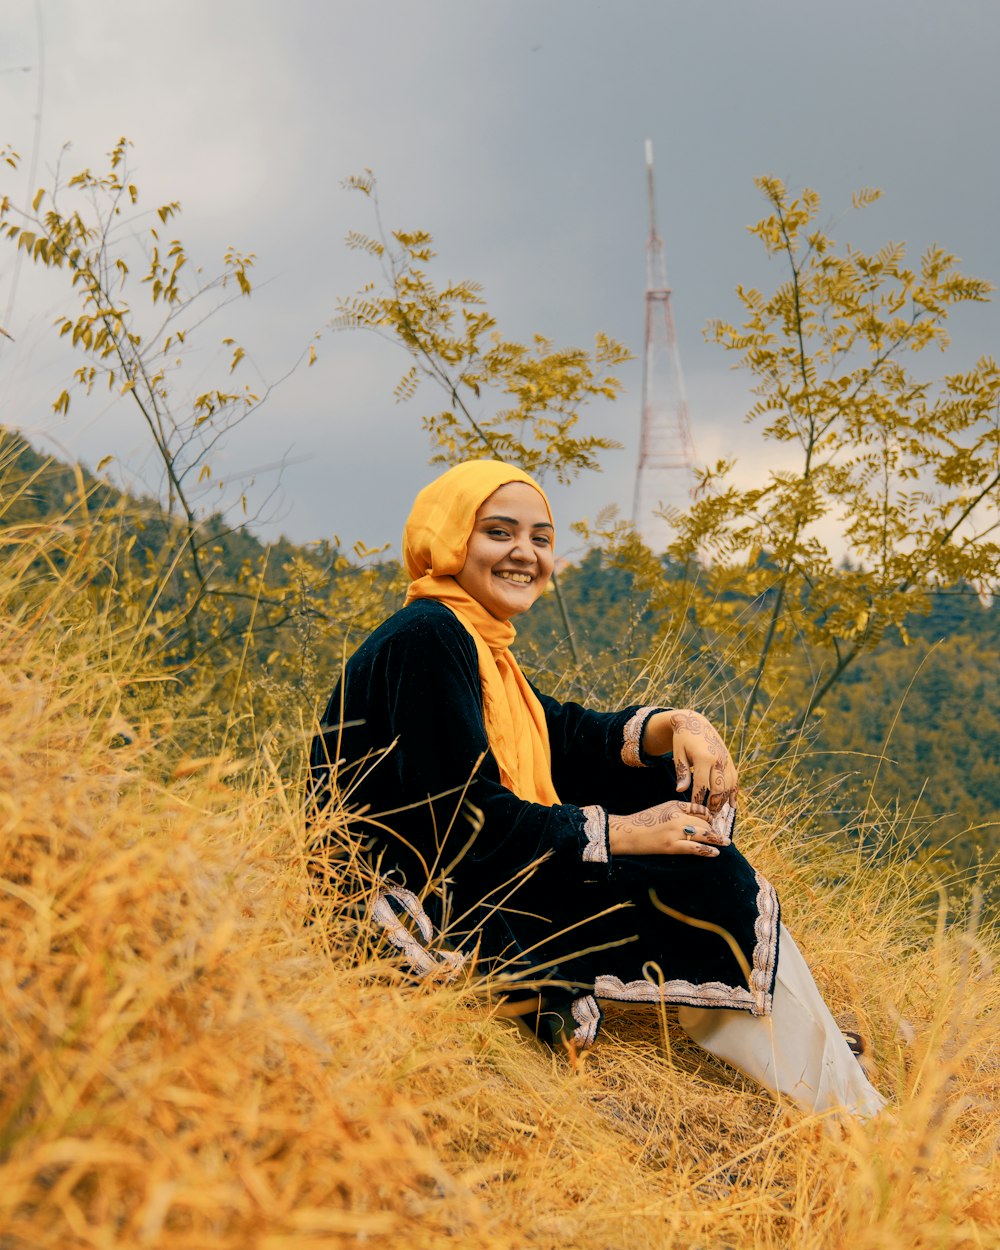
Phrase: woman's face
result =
(509, 558)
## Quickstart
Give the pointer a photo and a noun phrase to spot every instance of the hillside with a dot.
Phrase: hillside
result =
(911, 729)
(914, 729)
(197, 1051)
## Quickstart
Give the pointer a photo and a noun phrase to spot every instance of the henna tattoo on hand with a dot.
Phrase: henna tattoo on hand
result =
(720, 764)
(652, 816)
(646, 819)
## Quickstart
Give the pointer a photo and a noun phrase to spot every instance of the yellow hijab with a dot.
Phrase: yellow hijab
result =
(434, 548)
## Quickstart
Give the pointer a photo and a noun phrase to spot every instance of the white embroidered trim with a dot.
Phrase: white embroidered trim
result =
(765, 952)
(588, 1016)
(632, 737)
(596, 828)
(757, 999)
(420, 959)
(707, 994)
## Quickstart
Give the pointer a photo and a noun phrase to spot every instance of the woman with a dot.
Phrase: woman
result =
(549, 841)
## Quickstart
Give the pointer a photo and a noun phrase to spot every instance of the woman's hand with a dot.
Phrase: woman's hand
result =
(673, 828)
(699, 752)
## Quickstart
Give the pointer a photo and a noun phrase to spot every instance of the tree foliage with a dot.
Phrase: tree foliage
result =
(900, 471)
(136, 311)
(920, 729)
(519, 402)
(245, 628)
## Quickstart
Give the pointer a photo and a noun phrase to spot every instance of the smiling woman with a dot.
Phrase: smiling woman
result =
(547, 846)
(508, 560)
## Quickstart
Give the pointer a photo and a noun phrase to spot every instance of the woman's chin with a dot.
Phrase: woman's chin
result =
(506, 606)
(509, 600)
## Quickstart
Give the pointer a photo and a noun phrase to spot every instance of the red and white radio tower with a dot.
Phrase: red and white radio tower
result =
(665, 473)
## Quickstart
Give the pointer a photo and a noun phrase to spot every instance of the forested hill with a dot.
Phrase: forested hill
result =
(922, 720)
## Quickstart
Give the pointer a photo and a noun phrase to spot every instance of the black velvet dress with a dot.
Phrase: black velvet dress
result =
(532, 888)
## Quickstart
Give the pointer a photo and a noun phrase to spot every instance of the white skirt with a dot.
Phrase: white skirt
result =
(797, 1052)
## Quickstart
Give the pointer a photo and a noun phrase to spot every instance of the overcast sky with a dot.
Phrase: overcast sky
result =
(513, 130)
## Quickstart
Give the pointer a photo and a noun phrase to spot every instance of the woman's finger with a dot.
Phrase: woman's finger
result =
(699, 848)
(730, 796)
(682, 769)
(696, 809)
(722, 780)
(702, 792)
(713, 836)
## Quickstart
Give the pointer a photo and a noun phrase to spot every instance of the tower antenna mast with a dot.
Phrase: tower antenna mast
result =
(665, 471)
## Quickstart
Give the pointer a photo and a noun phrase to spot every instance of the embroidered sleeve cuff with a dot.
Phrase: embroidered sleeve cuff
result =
(595, 827)
(632, 753)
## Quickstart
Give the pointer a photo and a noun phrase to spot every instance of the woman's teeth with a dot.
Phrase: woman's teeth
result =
(522, 579)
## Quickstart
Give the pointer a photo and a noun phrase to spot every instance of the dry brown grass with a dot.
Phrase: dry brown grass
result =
(187, 1062)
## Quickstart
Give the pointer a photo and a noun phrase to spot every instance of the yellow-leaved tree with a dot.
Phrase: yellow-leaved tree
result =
(210, 600)
(886, 486)
(92, 227)
(507, 400)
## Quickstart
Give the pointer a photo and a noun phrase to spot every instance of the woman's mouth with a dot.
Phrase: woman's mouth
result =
(519, 579)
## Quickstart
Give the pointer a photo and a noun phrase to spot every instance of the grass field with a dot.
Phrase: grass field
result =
(188, 1059)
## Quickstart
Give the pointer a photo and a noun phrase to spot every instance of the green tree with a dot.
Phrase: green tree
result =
(906, 470)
